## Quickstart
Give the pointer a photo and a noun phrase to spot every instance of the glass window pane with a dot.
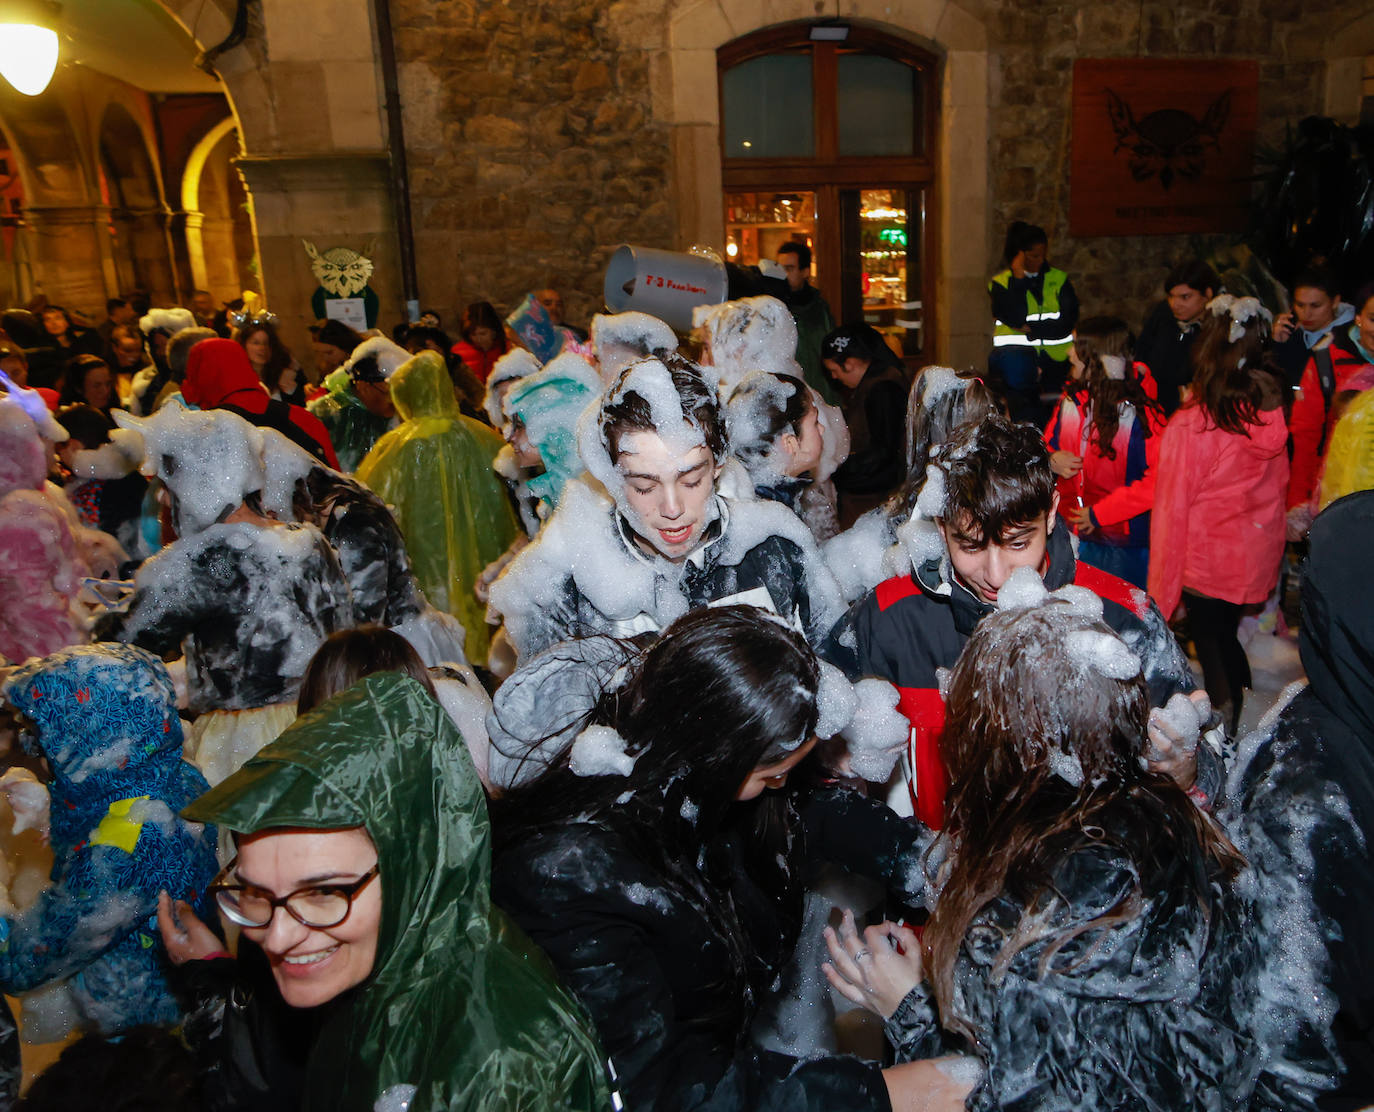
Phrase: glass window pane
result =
(891, 231)
(767, 107)
(877, 106)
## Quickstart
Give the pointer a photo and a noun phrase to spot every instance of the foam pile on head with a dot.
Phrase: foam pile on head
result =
(620, 339)
(757, 415)
(751, 334)
(514, 365)
(167, 321)
(376, 359)
(668, 397)
(209, 460)
(1076, 614)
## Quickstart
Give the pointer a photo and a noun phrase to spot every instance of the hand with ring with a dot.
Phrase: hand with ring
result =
(877, 970)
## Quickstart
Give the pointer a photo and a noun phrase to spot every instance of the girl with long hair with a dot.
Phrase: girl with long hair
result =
(1087, 937)
(1104, 441)
(1218, 525)
(272, 361)
(658, 859)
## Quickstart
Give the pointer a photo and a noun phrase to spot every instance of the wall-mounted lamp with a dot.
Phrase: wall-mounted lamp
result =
(829, 30)
(28, 43)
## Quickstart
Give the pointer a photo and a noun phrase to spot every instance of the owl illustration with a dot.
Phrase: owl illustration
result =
(342, 271)
(1169, 143)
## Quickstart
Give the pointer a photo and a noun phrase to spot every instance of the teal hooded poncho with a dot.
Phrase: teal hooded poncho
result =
(461, 1011)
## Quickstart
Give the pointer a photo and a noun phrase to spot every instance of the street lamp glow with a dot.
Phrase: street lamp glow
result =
(28, 56)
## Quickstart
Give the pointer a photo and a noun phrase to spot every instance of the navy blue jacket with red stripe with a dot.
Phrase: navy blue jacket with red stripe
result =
(909, 627)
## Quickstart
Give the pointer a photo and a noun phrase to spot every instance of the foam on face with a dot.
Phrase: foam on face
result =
(834, 436)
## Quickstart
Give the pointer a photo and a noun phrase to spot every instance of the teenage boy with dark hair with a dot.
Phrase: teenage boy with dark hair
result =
(1312, 323)
(998, 515)
(1166, 338)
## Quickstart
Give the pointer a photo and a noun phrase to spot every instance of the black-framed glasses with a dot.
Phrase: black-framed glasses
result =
(319, 905)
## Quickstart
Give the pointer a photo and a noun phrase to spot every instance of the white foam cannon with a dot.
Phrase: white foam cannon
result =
(664, 284)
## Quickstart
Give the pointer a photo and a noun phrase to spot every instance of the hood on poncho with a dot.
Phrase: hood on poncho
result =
(376, 359)
(421, 387)
(1337, 627)
(209, 460)
(215, 371)
(549, 402)
(435, 470)
(107, 723)
(459, 1009)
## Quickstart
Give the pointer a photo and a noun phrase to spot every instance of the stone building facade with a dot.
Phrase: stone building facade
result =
(539, 135)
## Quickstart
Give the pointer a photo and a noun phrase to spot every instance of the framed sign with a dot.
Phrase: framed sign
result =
(1161, 147)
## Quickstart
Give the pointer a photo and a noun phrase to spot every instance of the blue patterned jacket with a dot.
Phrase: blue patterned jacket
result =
(106, 722)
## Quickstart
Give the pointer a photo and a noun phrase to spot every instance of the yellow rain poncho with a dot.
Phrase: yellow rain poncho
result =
(434, 469)
(1350, 455)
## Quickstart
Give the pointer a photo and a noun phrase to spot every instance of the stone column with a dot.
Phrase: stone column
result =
(332, 200)
(72, 260)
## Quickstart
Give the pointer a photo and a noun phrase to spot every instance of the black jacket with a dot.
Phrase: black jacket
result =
(875, 411)
(1166, 348)
(1302, 795)
(659, 968)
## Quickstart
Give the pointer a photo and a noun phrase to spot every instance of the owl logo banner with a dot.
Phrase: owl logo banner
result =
(1161, 147)
(344, 293)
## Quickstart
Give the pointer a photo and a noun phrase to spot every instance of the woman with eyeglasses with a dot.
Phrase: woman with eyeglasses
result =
(363, 873)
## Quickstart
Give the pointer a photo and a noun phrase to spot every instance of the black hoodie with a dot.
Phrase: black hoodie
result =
(1302, 793)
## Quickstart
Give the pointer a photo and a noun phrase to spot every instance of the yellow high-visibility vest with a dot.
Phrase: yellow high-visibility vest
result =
(1004, 335)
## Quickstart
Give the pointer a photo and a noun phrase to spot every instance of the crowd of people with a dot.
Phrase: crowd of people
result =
(482, 722)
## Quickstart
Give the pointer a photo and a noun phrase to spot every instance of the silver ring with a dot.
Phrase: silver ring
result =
(859, 955)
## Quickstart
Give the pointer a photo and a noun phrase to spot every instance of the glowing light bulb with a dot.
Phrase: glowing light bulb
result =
(28, 56)
(732, 249)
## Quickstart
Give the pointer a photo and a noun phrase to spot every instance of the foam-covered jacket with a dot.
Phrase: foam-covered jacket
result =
(247, 604)
(1217, 528)
(1157, 1009)
(1300, 806)
(910, 627)
(1119, 490)
(107, 724)
(673, 983)
(585, 574)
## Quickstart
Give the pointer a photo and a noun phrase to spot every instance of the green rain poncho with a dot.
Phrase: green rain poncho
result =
(460, 1005)
(352, 427)
(435, 471)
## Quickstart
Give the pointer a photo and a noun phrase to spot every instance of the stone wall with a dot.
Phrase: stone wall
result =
(531, 149)
(1032, 85)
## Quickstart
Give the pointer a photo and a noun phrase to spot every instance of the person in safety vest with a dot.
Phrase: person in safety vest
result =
(1034, 309)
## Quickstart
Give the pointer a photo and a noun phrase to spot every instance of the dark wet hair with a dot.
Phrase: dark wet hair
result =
(1318, 278)
(349, 655)
(803, 253)
(23, 327)
(85, 423)
(1022, 237)
(778, 419)
(929, 426)
(998, 473)
(699, 405)
(725, 690)
(114, 303)
(1016, 697)
(1363, 296)
(1195, 274)
(1092, 339)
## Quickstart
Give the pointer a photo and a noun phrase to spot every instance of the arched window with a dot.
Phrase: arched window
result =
(829, 141)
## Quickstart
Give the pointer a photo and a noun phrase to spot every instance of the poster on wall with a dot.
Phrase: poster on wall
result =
(1161, 147)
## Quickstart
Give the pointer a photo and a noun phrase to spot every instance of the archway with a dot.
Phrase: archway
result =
(219, 231)
(946, 29)
(129, 185)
